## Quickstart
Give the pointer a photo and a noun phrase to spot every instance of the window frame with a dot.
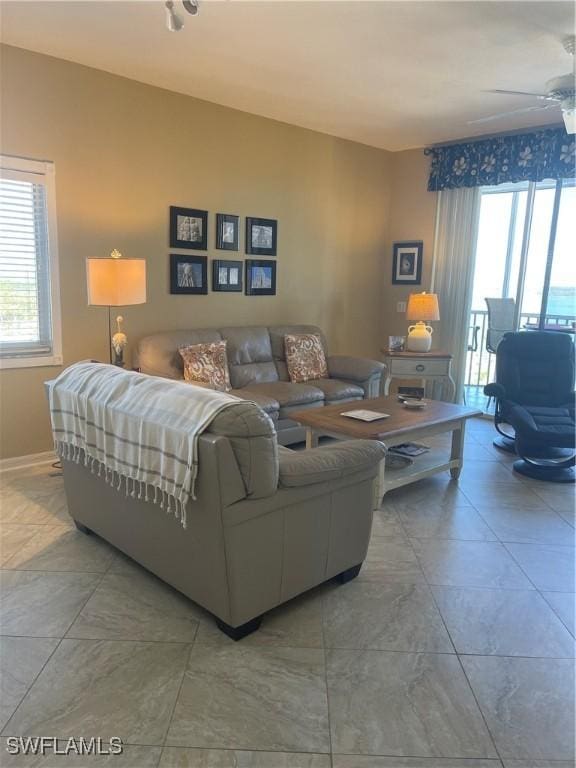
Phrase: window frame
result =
(24, 167)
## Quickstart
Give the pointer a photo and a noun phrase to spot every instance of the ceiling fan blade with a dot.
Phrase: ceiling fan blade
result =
(513, 112)
(518, 93)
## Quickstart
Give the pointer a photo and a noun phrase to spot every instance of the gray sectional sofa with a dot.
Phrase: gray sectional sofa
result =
(258, 370)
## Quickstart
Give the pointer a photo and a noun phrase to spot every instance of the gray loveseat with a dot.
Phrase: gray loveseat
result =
(258, 370)
(268, 523)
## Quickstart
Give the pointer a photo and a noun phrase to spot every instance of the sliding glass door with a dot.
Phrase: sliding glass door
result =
(561, 296)
(525, 252)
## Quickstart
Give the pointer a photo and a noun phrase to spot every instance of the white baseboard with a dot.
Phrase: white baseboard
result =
(31, 460)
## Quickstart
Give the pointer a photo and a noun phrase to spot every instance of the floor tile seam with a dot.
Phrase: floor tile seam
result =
(180, 686)
(505, 589)
(29, 687)
(544, 544)
(512, 589)
(242, 749)
(546, 503)
(58, 644)
(496, 760)
(543, 596)
(479, 708)
(422, 571)
(504, 541)
(523, 570)
(324, 649)
(516, 656)
(23, 522)
(357, 649)
(222, 644)
(127, 640)
(47, 571)
(496, 655)
(431, 591)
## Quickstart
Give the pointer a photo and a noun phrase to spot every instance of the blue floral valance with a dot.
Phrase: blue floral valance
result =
(545, 154)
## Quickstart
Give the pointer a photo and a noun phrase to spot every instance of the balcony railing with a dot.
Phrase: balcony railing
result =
(480, 363)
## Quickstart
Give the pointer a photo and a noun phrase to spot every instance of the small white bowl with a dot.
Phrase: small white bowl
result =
(414, 405)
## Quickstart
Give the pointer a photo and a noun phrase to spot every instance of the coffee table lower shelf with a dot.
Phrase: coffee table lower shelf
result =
(425, 465)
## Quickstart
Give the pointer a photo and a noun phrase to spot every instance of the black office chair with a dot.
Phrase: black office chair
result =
(534, 393)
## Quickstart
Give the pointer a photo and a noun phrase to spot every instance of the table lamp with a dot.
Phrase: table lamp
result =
(421, 307)
(116, 282)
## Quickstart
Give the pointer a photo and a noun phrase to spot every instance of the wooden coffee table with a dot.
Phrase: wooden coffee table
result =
(402, 426)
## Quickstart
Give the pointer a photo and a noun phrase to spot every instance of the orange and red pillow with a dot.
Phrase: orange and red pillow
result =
(305, 358)
(207, 364)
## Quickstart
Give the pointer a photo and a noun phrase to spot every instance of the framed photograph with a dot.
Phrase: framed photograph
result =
(260, 277)
(188, 274)
(226, 275)
(188, 228)
(396, 343)
(227, 231)
(407, 263)
(261, 235)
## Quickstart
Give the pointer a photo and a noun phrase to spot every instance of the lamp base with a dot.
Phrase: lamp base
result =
(419, 338)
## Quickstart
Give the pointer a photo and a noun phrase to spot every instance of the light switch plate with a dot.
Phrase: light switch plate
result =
(400, 306)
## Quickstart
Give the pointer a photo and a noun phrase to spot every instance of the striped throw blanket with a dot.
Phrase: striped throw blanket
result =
(132, 429)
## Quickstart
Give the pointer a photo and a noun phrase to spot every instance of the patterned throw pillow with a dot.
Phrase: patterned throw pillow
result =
(207, 364)
(305, 357)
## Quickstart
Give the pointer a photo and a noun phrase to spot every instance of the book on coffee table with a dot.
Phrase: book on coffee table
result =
(363, 415)
(410, 449)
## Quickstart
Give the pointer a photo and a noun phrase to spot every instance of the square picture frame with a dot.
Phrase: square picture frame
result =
(407, 263)
(188, 274)
(260, 277)
(188, 228)
(261, 236)
(226, 276)
(227, 231)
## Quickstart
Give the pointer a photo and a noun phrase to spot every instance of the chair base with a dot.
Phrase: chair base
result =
(509, 446)
(548, 474)
(504, 444)
(237, 633)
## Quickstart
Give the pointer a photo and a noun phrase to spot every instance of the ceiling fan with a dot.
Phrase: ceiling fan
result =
(560, 92)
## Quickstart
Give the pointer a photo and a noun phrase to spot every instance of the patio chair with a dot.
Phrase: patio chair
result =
(500, 321)
(471, 347)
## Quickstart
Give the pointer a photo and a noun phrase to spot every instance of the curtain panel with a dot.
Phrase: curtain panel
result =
(545, 154)
(453, 273)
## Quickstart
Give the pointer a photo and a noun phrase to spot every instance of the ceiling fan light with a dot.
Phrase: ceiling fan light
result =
(173, 21)
(191, 6)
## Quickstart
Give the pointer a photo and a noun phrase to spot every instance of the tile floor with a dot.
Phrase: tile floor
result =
(452, 649)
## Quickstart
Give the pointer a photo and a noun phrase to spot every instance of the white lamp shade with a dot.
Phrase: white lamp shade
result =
(423, 306)
(116, 282)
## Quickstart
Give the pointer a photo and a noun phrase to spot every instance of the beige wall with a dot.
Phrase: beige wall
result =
(412, 217)
(125, 151)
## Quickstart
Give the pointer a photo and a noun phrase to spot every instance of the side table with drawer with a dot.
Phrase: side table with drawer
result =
(425, 366)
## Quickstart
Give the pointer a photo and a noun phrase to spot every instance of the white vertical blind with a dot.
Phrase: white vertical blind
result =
(26, 290)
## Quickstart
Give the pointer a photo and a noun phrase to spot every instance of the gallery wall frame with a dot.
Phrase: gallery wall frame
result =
(260, 277)
(188, 274)
(188, 228)
(226, 276)
(407, 262)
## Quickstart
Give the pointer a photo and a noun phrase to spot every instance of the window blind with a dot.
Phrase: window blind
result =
(25, 287)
